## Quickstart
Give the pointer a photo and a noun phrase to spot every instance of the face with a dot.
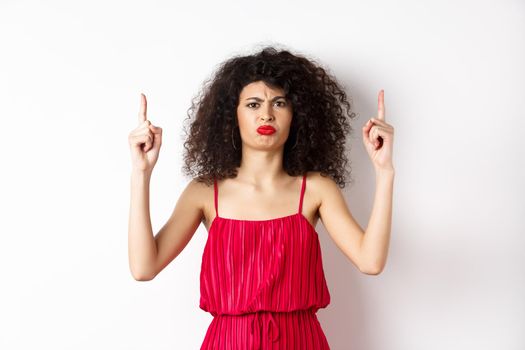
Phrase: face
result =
(262, 105)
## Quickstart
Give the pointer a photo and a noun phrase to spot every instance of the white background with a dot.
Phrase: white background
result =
(70, 78)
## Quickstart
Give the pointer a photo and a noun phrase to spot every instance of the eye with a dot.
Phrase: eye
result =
(283, 103)
(252, 103)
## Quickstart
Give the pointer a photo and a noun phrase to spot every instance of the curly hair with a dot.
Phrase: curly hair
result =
(320, 120)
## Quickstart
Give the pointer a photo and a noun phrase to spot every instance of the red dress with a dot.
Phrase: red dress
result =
(263, 282)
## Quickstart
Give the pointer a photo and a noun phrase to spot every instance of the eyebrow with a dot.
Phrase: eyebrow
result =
(260, 99)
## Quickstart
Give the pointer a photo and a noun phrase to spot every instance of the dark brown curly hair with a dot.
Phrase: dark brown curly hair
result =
(320, 121)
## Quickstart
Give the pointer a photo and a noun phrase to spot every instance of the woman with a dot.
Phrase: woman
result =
(266, 153)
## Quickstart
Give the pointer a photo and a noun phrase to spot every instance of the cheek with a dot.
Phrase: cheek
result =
(288, 119)
(242, 118)
(246, 123)
(285, 128)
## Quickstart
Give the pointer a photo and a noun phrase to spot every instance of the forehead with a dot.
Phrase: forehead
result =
(260, 88)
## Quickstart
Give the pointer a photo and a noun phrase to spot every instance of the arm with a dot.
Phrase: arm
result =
(374, 246)
(378, 139)
(141, 244)
(366, 250)
(148, 255)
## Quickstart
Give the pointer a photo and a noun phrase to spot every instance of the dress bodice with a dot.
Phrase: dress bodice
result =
(255, 265)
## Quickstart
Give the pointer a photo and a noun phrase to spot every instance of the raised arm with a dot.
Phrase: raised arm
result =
(149, 254)
(367, 249)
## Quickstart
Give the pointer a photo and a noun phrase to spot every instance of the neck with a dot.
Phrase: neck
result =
(261, 167)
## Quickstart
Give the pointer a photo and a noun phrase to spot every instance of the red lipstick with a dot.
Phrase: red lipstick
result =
(266, 130)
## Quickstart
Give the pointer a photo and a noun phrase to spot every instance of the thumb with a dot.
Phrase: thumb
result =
(155, 129)
(366, 129)
(157, 134)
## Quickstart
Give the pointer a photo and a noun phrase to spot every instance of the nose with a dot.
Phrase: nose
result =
(267, 113)
(266, 116)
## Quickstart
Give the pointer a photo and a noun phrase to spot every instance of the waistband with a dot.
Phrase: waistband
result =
(258, 321)
(263, 324)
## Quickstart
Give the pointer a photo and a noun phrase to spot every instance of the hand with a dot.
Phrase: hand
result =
(144, 141)
(378, 138)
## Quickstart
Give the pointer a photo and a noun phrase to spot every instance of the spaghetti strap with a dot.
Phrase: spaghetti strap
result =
(302, 194)
(216, 195)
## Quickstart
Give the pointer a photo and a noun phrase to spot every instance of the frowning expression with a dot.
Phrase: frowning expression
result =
(261, 105)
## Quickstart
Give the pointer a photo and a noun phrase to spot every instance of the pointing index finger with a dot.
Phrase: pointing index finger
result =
(143, 109)
(381, 105)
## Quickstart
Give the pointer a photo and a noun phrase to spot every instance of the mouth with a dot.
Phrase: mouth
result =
(266, 130)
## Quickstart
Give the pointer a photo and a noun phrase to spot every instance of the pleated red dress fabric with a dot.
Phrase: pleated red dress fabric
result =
(263, 281)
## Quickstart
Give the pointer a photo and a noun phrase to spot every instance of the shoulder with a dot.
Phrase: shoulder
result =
(198, 192)
(320, 186)
(320, 182)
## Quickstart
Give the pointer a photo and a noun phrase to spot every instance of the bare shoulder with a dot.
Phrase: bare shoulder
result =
(198, 192)
(178, 230)
(337, 218)
(320, 185)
